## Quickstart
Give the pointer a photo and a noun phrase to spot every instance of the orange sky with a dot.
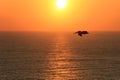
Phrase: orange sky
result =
(44, 15)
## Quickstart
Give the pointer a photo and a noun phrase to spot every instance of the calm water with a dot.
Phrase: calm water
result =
(65, 56)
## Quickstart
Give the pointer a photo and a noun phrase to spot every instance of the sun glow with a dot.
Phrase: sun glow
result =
(61, 4)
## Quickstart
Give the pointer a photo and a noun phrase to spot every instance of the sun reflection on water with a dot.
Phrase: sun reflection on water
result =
(60, 66)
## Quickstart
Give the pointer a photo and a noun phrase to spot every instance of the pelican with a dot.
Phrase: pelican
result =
(80, 33)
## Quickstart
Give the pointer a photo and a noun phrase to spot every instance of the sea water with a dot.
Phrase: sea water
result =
(59, 56)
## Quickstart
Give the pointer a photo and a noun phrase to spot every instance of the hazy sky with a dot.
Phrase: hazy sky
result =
(44, 15)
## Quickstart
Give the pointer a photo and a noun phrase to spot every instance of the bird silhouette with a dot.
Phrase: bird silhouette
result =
(80, 33)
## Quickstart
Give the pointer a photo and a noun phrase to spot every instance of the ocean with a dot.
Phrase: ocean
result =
(59, 56)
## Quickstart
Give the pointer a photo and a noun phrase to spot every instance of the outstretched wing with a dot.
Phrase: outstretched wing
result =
(76, 32)
(84, 32)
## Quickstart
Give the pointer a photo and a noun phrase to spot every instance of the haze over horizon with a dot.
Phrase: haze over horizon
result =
(44, 15)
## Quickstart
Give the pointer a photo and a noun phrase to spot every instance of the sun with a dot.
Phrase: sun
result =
(61, 4)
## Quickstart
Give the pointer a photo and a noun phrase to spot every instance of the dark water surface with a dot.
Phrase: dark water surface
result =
(63, 56)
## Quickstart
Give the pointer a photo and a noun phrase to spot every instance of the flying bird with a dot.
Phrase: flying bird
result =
(80, 33)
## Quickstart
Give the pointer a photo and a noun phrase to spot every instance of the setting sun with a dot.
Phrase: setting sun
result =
(61, 4)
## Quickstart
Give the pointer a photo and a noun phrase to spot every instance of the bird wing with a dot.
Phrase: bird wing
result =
(75, 32)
